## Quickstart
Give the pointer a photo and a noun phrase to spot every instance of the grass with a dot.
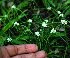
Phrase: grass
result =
(55, 44)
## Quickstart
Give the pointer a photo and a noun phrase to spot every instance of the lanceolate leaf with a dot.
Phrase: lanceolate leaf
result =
(45, 2)
(67, 2)
(12, 22)
(2, 1)
(51, 2)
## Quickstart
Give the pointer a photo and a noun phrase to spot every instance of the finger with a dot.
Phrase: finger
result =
(40, 54)
(1, 53)
(45, 57)
(4, 52)
(19, 49)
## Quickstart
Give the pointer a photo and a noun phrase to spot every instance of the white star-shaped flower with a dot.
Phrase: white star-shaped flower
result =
(37, 33)
(49, 8)
(29, 20)
(58, 12)
(61, 15)
(13, 6)
(6, 16)
(63, 22)
(46, 21)
(52, 22)
(9, 39)
(16, 23)
(53, 31)
(44, 24)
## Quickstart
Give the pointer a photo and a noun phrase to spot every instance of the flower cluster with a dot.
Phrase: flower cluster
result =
(9, 39)
(29, 20)
(60, 15)
(16, 23)
(37, 33)
(64, 22)
(53, 31)
(44, 24)
(6, 16)
(13, 6)
(49, 8)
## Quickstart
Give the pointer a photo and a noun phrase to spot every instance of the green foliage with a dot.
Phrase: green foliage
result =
(67, 2)
(2, 39)
(51, 2)
(23, 4)
(2, 1)
(46, 4)
(24, 33)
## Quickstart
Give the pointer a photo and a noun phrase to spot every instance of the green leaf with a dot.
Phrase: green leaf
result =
(23, 4)
(59, 34)
(12, 22)
(24, 38)
(1, 33)
(4, 38)
(67, 12)
(3, 11)
(55, 2)
(67, 2)
(45, 2)
(51, 2)
(2, 1)
(21, 37)
(17, 41)
(1, 41)
(8, 25)
(69, 21)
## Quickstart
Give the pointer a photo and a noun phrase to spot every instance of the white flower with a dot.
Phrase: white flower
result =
(29, 20)
(13, 6)
(61, 15)
(9, 39)
(44, 24)
(16, 23)
(49, 8)
(53, 31)
(46, 21)
(58, 12)
(0, 18)
(6, 16)
(63, 22)
(52, 22)
(37, 33)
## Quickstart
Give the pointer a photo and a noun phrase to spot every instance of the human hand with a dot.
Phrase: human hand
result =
(18, 51)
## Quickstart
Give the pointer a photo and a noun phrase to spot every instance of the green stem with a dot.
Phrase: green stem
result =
(29, 25)
(65, 52)
(66, 36)
(64, 29)
(42, 34)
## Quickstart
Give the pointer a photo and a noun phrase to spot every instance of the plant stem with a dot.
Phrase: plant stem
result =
(65, 36)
